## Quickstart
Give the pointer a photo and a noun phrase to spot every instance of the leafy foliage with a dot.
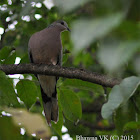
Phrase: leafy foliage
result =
(7, 93)
(71, 105)
(27, 92)
(33, 123)
(119, 95)
(105, 39)
(11, 129)
(88, 31)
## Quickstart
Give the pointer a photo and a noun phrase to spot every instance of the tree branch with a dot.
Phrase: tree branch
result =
(52, 70)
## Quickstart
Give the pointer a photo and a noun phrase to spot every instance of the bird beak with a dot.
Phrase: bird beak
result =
(68, 29)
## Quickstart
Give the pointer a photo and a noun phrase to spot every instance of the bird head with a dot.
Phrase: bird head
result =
(61, 25)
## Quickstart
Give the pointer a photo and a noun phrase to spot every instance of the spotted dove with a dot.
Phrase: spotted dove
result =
(45, 47)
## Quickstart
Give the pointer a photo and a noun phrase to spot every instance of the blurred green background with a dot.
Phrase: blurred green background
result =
(104, 38)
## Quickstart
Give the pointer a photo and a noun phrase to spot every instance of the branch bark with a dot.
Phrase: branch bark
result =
(52, 70)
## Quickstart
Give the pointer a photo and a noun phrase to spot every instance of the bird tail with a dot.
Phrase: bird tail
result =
(50, 105)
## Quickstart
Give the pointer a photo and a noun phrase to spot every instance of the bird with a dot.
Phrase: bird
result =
(45, 47)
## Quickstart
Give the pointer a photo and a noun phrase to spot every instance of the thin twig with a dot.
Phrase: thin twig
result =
(97, 127)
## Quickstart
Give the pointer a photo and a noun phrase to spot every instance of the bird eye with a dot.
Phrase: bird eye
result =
(62, 23)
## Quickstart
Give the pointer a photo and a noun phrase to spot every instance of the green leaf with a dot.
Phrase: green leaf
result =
(132, 125)
(71, 105)
(129, 29)
(7, 93)
(119, 95)
(87, 31)
(120, 119)
(8, 130)
(11, 58)
(33, 123)
(25, 59)
(65, 58)
(27, 91)
(79, 84)
(4, 52)
(68, 5)
(122, 51)
(58, 126)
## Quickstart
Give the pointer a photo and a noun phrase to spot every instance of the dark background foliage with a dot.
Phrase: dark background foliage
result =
(105, 38)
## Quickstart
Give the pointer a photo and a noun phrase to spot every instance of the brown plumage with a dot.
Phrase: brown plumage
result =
(45, 47)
